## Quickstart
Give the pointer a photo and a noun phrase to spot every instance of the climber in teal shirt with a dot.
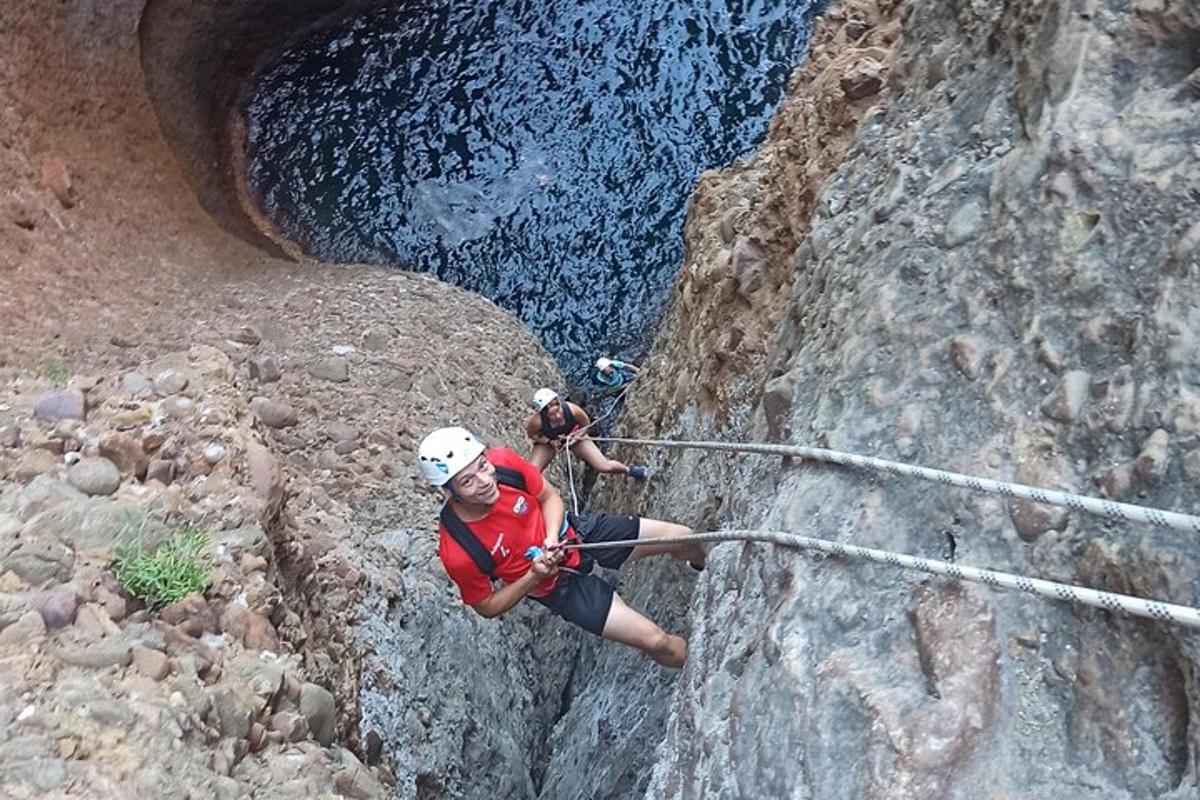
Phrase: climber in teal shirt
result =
(613, 374)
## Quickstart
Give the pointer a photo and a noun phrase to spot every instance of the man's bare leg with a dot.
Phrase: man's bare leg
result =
(587, 450)
(648, 529)
(542, 455)
(627, 626)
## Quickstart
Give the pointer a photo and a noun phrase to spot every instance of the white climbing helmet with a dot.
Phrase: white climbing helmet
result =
(543, 398)
(603, 363)
(445, 452)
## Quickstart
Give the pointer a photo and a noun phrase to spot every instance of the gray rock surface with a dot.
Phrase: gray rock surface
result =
(95, 476)
(1045, 156)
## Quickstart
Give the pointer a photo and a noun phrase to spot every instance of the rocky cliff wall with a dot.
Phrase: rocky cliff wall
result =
(277, 406)
(999, 277)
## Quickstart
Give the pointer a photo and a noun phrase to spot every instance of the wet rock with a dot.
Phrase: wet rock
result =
(191, 615)
(273, 414)
(95, 476)
(336, 369)
(862, 79)
(152, 663)
(57, 608)
(1067, 400)
(319, 709)
(60, 405)
(264, 369)
(1151, 463)
(56, 177)
(109, 652)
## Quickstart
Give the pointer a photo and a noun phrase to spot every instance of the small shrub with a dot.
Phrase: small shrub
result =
(178, 567)
(56, 371)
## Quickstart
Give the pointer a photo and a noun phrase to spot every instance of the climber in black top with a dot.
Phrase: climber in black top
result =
(556, 420)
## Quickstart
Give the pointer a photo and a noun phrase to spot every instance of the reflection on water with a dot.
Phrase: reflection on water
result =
(540, 153)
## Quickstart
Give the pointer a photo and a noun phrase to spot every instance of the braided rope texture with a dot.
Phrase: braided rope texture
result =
(1170, 613)
(1125, 512)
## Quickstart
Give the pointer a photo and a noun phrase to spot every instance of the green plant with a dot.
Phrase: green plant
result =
(178, 567)
(56, 370)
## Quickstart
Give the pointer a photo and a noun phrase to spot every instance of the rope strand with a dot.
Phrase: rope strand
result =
(1158, 610)
(1111, 509)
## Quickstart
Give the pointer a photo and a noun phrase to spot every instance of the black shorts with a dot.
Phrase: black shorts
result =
(584, 599)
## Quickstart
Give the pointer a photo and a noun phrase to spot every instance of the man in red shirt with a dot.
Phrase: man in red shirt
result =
(498, 506)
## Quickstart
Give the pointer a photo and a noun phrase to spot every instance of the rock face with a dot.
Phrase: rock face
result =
(996, 279)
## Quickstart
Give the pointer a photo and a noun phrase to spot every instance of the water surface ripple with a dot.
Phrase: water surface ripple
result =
(539, 153)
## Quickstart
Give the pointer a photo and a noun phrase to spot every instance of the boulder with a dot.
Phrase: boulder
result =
(60, 405)
(320, 710)
(95, 476)
(335, 369)
(272, 413)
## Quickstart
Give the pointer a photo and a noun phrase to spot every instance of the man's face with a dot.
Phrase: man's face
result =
(476, 483)
(554, 409)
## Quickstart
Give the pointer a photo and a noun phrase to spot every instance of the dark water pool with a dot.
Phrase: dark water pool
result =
(540, 152)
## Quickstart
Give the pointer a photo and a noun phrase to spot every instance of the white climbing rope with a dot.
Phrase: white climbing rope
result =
(1105, 508)
(1082, 595)
(571, 480)
(582, 433)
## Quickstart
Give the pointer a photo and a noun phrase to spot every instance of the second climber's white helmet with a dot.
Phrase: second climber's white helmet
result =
(543, 398)
(445, 452)
(603, 363)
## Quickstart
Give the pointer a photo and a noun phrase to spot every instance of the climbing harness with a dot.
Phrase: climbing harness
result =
(1082, 595)
(1110, 509)
(466, 538)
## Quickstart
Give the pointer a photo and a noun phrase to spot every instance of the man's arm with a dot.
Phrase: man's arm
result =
(533, 429)
(581, 416)
(510, 594)
(553, 512)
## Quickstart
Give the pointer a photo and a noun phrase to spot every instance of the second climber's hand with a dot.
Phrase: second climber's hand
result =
(546, 564)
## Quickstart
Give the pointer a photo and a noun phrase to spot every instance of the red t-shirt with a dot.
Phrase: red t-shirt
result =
(514, 524)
